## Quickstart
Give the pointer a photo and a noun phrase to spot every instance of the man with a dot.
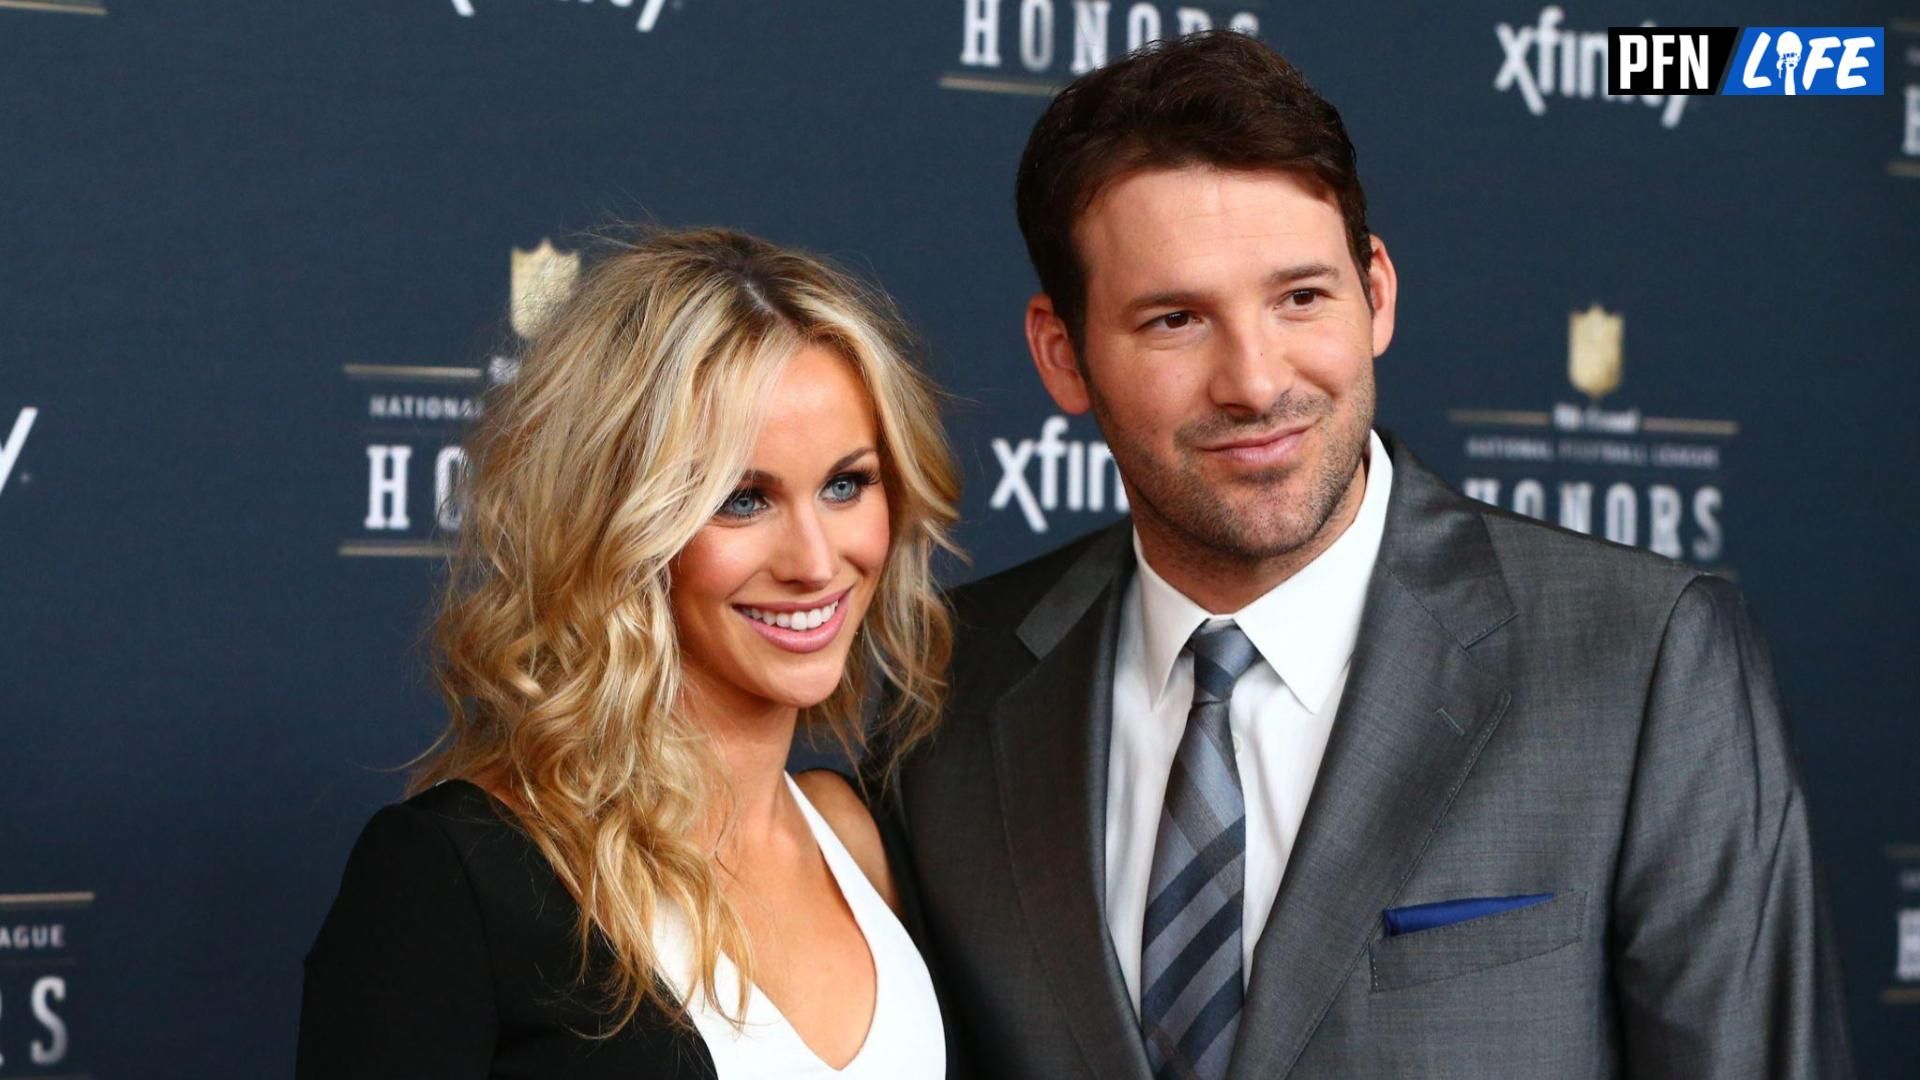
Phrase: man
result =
(1316, 768)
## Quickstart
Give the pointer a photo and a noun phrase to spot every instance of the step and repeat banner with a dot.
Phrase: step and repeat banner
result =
(259, 262)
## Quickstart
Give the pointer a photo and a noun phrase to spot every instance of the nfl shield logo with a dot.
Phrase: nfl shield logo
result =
(542, 278)
(1593, 351)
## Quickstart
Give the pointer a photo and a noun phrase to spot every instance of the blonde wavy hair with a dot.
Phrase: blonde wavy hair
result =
(633, 417)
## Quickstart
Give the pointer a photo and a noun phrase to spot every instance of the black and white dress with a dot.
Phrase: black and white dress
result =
(450, 952)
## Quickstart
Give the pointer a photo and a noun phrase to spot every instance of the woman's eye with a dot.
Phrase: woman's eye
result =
(741, 504)
(847, 487)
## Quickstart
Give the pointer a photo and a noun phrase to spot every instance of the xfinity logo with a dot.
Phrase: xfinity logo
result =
(649, 10)
(1072, 475)
(1544, 60)
(16, 442)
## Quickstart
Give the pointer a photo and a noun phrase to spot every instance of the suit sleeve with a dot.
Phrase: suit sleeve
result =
(398, 982)
(1725, 963)
(886, 800)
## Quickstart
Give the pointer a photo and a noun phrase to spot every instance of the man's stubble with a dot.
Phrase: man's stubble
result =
(1211, 526)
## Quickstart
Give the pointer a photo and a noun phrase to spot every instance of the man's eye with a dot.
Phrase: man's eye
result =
(1303, 297)
(1174, 320)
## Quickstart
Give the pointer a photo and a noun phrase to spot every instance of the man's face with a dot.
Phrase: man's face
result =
(1228, 356)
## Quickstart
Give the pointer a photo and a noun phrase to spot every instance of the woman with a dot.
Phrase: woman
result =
(703, 515)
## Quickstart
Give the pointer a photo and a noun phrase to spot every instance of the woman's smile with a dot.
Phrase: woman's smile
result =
(799, 628)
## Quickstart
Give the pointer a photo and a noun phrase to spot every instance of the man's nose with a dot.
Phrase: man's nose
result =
(1251, 371)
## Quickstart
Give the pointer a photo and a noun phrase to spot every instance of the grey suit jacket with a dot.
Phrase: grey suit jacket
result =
(1529, 711)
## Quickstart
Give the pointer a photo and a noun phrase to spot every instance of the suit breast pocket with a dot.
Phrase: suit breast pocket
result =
(1447, 952)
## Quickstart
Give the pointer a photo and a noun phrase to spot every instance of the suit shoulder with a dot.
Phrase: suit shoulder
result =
(1546, 560)
(1710, 605)
(1007, 596)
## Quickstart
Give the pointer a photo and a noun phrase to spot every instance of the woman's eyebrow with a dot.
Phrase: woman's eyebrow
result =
(850, 459)
(760, 478)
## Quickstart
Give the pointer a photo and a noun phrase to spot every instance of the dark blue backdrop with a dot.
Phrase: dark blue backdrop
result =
(254, 255)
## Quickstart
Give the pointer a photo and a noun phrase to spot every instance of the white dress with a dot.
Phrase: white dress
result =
(905, 1039)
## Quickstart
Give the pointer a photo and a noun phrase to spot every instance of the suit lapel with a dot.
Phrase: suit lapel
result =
(1051, 733)
(1415, 715)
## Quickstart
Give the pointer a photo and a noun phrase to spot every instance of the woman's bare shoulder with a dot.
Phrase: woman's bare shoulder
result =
(847, 814)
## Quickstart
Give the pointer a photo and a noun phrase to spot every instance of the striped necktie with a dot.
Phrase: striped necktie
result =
(1190, 982)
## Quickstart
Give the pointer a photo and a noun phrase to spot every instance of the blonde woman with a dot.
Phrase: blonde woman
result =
(702, 516)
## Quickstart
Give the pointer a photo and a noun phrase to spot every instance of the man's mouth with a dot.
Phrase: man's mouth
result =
(1264, 450)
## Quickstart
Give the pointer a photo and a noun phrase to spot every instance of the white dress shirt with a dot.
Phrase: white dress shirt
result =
(1281, 715)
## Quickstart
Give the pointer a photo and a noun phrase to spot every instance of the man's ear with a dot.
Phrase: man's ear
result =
(1384, 284)
(1054, 358)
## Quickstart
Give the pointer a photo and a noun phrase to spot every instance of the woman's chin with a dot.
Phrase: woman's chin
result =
(806, 697)
(803, 689)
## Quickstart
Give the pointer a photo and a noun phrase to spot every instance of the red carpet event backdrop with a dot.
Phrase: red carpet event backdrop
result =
(259, 262)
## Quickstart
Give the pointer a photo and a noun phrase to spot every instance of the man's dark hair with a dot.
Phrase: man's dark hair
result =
(1218, 98)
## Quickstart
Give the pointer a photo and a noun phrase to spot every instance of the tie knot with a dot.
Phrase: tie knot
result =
(1221, 654)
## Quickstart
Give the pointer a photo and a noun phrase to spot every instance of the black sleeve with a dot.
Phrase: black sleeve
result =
(398, 982)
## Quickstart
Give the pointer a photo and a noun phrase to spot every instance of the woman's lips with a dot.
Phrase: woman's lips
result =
(811, 639)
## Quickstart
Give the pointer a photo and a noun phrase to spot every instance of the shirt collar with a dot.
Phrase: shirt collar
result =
(1305, 627)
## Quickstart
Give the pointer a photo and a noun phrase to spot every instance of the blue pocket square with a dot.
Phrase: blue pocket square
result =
(1411, 920)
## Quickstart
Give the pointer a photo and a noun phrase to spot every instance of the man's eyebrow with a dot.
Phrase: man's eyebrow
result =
(1287, 275)
(1280, 278)
(758, 478)
(1166, 300)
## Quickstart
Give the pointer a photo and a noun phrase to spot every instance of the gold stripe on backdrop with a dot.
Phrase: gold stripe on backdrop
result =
(407, 371)
(46, 899)
(1670, 425)
(395, 549)
(987, 85)
(64, 7)
(1501, 417)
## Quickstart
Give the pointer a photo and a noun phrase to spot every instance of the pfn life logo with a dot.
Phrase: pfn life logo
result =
(1837, 60)
(1789, 61)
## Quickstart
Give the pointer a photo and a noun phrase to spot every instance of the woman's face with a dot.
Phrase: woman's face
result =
(767, 597)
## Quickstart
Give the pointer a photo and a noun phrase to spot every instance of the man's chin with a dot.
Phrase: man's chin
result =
(1251, 539)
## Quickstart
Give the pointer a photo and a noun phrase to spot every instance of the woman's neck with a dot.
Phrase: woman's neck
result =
(752, 741)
